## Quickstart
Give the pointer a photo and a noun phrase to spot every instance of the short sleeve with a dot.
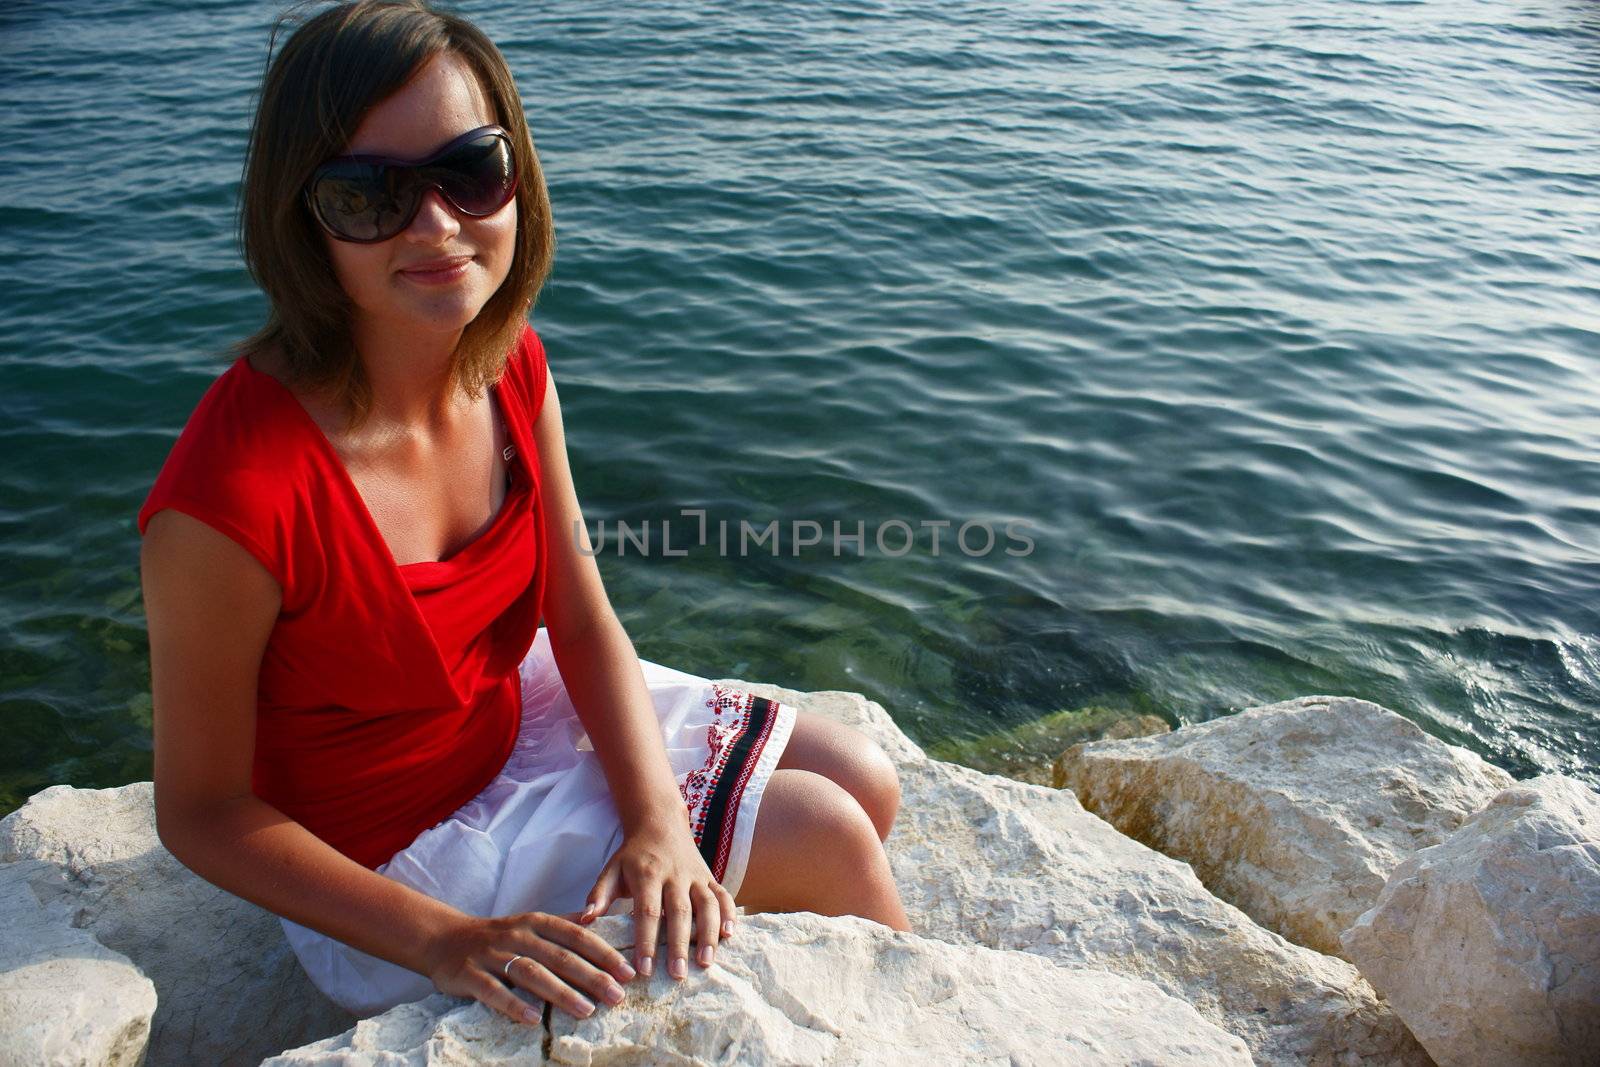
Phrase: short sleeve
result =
(227, 471)
(537, 371)
(228, 506)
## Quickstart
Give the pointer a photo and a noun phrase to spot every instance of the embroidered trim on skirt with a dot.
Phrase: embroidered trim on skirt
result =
(536, 837)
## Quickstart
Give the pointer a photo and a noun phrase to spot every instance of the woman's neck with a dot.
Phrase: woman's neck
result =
(408, 370)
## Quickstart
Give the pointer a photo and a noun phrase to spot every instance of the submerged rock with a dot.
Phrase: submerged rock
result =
(1026, 752)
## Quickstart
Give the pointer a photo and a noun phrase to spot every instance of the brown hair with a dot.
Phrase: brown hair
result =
(332, 69)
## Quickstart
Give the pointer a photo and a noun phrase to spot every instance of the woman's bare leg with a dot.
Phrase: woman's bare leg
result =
(815, 849)
(849, 757)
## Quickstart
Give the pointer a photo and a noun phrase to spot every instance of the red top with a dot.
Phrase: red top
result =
(389, 694)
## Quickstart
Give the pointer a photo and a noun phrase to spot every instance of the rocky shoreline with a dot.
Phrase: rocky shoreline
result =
(1317, 881)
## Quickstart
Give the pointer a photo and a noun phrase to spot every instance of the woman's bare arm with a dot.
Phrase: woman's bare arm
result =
(602, 674)
(598, 663)
(210, 606)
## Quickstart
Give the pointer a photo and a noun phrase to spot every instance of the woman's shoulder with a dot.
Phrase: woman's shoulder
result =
(526, 370)
(238, 449)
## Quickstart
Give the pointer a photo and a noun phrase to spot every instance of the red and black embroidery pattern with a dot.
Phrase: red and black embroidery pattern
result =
(712, 793)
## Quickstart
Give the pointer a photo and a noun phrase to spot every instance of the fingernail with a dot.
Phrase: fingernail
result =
(588, 911)
(727, 927)
(647, 966)
(613, 993)
(679, 968)
(630, 972)
(529, 1015)
(705, 955)
(585, 1009)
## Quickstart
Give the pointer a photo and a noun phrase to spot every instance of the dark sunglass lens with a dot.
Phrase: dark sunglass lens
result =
(363, 203)
(479, 177)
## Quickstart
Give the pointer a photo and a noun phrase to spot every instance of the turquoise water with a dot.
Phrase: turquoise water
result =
(1276, 324)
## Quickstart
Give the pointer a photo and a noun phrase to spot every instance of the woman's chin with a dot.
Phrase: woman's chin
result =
(444, 313)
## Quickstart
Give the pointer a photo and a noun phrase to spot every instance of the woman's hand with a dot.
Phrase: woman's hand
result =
(559, 959)
(659, 866)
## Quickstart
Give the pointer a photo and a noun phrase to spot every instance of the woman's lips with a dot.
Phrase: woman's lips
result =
(440, 275)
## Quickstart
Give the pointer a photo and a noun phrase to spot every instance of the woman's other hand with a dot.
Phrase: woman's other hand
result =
(659, 866)
(560, 962)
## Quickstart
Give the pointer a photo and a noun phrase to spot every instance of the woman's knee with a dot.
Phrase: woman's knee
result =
(822, 812)
(812, 836)
(883, 783)
(850, 758)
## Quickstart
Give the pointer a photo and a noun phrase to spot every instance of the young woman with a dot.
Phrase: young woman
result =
(392, 703)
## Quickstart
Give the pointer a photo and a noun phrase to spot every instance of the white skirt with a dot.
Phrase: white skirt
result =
(537, 836)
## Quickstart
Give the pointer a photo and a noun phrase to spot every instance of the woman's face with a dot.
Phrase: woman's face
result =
(441, 102)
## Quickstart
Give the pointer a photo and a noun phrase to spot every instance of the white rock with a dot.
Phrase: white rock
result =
(807, 989)
(230, 989)
(65, 999)
(1294, 812)
(982, 859)
(983, 863)
(1488, 944)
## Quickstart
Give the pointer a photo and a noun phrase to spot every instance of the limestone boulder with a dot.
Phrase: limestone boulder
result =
(807, 989)
(1488, 943)
(982, 859)
(220, 984)
(1294, 812)
(66, 1000)
(1004, 881)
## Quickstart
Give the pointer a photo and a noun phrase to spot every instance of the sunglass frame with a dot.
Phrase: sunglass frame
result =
(308, 191)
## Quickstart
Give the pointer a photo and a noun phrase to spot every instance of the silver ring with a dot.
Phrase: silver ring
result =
(506, 970)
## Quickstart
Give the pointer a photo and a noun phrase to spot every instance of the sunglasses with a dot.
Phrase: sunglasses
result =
(366, 199)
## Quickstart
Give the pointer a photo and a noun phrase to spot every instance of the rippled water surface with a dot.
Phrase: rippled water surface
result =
(1273, 326)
